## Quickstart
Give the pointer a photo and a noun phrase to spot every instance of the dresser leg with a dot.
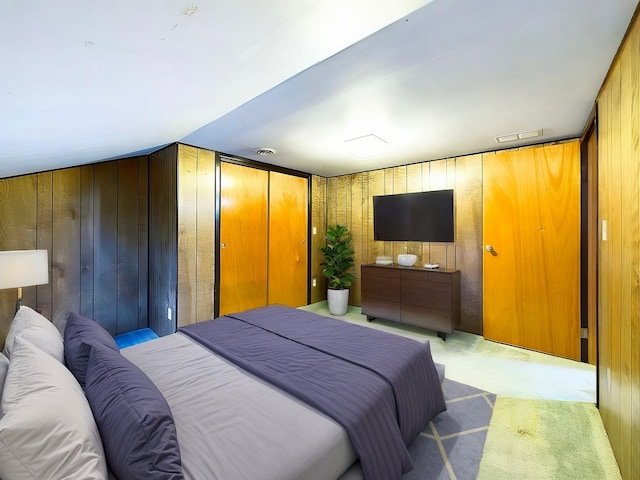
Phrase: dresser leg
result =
(443, 336)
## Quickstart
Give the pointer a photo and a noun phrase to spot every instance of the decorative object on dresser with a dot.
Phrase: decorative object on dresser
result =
(338, 260)
(424, 298)
(407, 259)
(23, 268)
(384, 260)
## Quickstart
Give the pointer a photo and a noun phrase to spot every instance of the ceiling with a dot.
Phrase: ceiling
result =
(84, 81)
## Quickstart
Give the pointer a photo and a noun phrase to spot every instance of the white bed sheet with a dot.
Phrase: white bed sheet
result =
(233, 425)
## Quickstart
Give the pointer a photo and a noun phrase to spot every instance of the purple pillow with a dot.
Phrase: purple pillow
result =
(134, 419)
(80, 334)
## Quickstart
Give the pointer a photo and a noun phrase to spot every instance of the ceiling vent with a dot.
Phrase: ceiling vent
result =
(265, 151)
(512, 137)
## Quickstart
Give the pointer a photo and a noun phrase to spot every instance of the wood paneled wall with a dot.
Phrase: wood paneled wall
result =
(196, 234)
(182, 234)
(619, 254)
(319, 223)
(93, 222)
(349, 202)
(163, 239)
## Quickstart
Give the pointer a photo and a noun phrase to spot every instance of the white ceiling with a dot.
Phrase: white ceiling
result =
(84, 81)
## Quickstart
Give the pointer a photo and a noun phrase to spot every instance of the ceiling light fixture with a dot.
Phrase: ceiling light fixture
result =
(511, 137)
(265, 151)
(366, 146)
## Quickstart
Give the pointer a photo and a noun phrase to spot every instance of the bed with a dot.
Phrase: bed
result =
(272, 393)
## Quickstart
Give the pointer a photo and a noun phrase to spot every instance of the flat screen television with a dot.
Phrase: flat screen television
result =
(414, 217)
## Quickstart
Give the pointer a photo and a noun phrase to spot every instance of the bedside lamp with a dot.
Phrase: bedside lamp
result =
(23, 268)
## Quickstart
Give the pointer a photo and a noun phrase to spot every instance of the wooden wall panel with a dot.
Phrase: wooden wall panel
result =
(195, 234)
(373, 184)
(468, 240)
(619, 254)
(128, 249)
(181, 236)
(86, 241)
(358, 233)
(318, 234)
(73, 213)
(45, 237)
(611, 257)
(426, 187)
(605, 278)
(357, 191)
(205, 242)
(389, 184)
(591, 227)
(105, 241)
(630, 240)
(163, 239)
(414, 185)
(143, 242)
(17, 232)
(615, 244)
(187, 235)
(65, 258)
(397, 179)
(438, 181)
(631, 92)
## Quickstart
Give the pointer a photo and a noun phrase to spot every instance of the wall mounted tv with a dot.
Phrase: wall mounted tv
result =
(414, 217)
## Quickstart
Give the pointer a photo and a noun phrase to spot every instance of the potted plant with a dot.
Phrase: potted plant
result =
(338, 259)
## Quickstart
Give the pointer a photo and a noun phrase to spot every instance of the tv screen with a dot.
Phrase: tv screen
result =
(414, 217)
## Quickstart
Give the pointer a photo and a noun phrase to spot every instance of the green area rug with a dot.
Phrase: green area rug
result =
(546, 439)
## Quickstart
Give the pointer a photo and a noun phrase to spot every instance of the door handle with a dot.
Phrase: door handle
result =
(489, 248)
(223, 245)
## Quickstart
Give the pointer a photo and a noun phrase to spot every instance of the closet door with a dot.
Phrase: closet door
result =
(243, 238)
(531, 277)
(288, 207)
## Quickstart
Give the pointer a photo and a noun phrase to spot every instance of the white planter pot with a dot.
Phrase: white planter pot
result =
(338, 301)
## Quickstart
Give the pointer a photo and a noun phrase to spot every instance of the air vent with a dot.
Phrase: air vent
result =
(265, 151)
(512, 137)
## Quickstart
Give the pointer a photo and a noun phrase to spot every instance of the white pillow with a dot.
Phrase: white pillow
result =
(32, 326)
(47, 429)
(4, 366)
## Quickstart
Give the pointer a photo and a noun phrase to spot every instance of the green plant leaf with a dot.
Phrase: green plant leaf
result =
(338, 257)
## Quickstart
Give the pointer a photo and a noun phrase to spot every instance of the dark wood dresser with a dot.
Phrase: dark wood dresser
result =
(427, 298)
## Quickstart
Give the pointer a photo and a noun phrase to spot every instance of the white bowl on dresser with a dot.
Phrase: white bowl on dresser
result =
(407, 259)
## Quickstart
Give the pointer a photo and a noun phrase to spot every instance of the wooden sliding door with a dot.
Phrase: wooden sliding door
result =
(243, 238)
(531, 234)
(288, 207)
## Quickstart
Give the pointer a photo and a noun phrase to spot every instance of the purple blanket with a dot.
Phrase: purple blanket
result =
(381, 388)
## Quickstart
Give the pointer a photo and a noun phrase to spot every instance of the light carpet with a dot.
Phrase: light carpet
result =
(546, 440)
(450, 447)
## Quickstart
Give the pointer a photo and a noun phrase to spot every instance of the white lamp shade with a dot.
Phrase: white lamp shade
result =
(23, 268)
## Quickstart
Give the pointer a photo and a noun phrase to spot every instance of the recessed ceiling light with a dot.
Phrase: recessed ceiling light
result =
(265, 151)
(366, 146)
(511, 137)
